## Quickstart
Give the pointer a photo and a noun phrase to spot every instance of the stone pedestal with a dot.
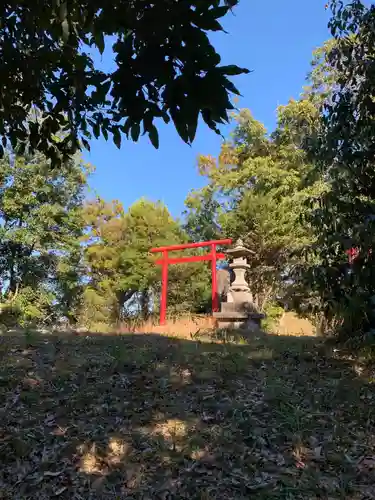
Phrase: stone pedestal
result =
(239, 311)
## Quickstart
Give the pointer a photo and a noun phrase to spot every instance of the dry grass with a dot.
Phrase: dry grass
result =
(180, 327)
(291, 324)
(152, 417)
(190, 325)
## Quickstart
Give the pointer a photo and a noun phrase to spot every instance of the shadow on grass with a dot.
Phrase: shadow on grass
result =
(149, 417)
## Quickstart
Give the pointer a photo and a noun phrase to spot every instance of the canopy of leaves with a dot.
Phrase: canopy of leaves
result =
(165, 68)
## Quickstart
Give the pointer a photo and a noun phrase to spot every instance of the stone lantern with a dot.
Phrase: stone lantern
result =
(239, 311)
(239, 290)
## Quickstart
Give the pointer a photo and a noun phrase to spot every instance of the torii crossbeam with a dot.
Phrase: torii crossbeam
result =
(213, 256)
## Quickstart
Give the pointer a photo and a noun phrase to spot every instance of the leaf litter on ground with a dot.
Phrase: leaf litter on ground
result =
(148, 417)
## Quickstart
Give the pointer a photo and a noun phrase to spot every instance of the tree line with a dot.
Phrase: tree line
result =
(87, 262)
(300, 196)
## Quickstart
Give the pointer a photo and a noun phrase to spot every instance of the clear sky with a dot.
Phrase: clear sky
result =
(275, 40)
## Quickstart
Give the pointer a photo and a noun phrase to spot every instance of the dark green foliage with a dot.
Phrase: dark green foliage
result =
(344, 215)
(165, 68)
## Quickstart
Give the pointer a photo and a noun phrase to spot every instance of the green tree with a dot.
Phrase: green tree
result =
(165, 67)
(322, 78)
(70, 281)
(344, 152)
(123, 277)
(258, 185)
(201, 217)
(40, 222)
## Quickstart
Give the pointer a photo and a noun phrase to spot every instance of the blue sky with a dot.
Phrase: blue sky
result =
(272, 38)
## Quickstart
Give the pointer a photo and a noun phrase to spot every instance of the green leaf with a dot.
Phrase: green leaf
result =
(209, 25)
(180, 125)
(230, 86)
(233, 70)
(127, 126)
(99, 40)
(218, 12)
(116, 137)
(135, 131)
(154, 136)
(96, 130)
(86, 144)
(193, 122)
(207, 21)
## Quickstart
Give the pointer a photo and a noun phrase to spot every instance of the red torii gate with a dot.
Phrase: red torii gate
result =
(213, 256)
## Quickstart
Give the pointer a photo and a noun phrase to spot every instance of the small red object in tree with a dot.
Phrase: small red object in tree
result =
(352, 254)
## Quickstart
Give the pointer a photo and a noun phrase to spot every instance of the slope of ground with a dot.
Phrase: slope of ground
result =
(153, 417)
